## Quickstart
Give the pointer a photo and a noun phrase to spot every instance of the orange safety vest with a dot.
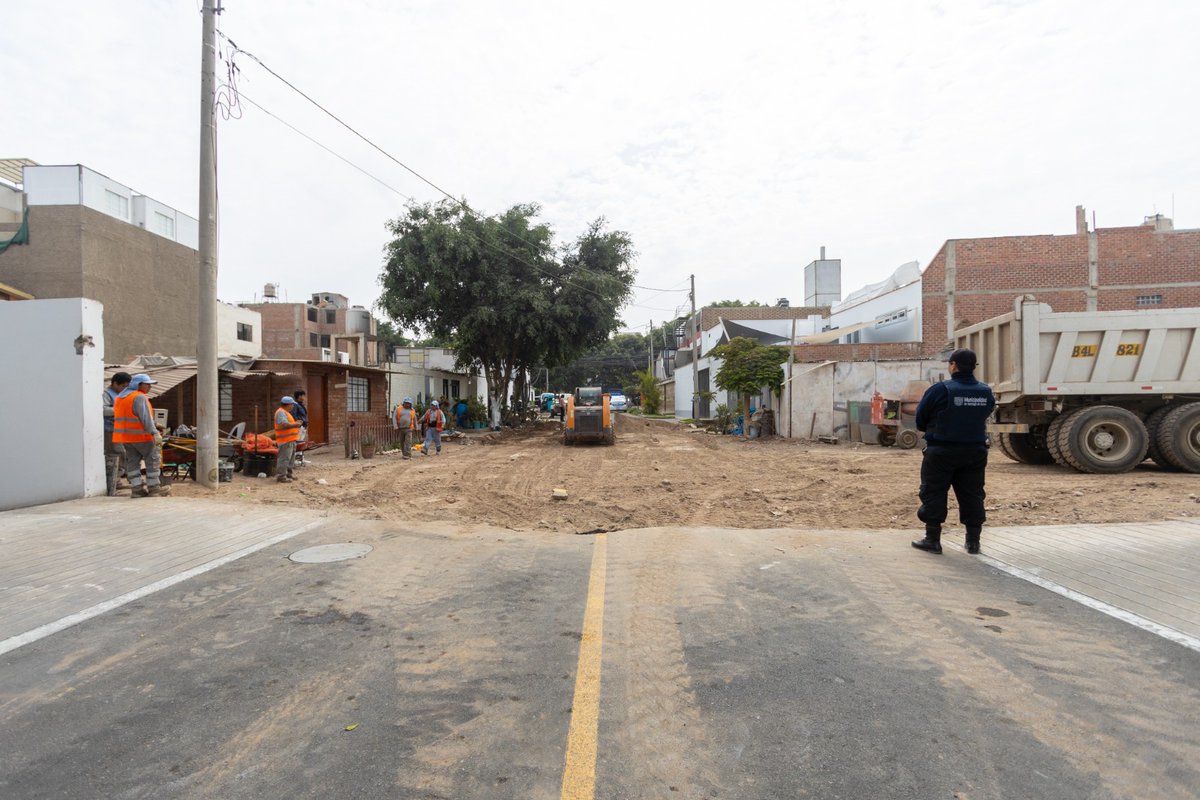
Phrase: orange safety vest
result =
(285, 435)
(438, 418)
(127, 428)
(412, 416)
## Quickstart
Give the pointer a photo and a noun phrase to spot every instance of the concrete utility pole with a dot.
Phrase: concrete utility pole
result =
(207, 409)
(695, 353)
(651, 365)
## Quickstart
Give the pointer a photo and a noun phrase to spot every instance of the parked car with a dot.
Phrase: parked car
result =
(617, 402)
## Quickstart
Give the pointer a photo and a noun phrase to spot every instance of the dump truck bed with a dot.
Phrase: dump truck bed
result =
(1036, 352)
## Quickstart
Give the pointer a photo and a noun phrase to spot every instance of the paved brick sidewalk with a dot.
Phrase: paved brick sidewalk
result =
(1145, 573)
(66, 562)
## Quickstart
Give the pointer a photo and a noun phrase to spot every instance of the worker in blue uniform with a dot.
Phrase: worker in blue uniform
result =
(953, 415)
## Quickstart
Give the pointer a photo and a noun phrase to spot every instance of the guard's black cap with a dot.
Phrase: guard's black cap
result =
(964, 358)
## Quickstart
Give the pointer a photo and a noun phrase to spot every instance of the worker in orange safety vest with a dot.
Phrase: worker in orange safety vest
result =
(433, 421)
(135, 430)
(406, 421)
(287, 433)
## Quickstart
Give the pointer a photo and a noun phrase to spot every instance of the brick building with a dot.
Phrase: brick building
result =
(969, 280)
(338, 394)
(89, 236)
(326, 328)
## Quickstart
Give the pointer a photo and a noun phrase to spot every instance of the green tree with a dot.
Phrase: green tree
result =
(747, 366)
(650, 391)
(500, 291)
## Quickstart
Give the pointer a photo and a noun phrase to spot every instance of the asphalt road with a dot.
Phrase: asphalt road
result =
(729, 664)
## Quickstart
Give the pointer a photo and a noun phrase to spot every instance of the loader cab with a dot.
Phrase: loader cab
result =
(588, 396)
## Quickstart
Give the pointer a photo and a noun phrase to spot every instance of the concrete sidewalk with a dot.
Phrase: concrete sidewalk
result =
(1147, 574)
(63, 563)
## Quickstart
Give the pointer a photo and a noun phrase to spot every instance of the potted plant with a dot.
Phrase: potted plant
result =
(366, 446)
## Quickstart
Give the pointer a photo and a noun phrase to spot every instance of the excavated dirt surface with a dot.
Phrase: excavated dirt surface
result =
(661, 474)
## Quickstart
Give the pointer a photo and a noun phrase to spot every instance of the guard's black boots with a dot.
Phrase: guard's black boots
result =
(973, 540)
(932, 543)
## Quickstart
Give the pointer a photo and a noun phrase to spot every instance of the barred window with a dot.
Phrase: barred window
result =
(225, 400)
(1149, 300)
(358, 395)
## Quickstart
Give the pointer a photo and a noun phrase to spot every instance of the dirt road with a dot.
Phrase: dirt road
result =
(661, 475)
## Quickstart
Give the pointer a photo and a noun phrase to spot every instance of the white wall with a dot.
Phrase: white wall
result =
(52, 186)
(228, 316)
(684, 388)
(11, 205)
(78, 185)
(54, 438)
(907, 330)
(826, 389)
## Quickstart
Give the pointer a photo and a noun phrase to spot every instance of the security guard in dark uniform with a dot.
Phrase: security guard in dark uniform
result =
(953, 414)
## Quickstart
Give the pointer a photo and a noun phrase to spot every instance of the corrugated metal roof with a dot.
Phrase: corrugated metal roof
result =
(10, 169)
(167, 377)
(170, 377)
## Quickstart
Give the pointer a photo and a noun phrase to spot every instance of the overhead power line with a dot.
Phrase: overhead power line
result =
(465, 206)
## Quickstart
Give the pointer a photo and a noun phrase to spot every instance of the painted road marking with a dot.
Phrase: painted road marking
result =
(579, 771)
(1137, 620)
(50, 628)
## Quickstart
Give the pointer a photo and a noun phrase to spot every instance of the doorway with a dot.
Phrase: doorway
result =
(318, 402)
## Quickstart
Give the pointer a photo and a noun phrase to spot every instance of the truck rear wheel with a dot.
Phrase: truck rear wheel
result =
(1153, 426)
(1103, 439)
(1001, 442)
(1053, 436)
(1179, 437)
(907, 439)
(1027, 448)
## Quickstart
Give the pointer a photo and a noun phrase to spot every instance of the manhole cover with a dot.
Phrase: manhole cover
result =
(323, 553)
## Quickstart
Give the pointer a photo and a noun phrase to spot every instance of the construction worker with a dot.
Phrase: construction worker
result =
(287, 433)
(135, 431)
(114, 453)
(433, 421)
(406, 422)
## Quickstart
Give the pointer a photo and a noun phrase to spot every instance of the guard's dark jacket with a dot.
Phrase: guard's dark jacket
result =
(954, 413)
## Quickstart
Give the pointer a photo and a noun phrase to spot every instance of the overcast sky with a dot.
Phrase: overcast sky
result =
(729, 140)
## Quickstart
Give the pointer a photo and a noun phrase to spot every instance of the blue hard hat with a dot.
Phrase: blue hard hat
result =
(408, 400)
(287, 399)
(140, 378)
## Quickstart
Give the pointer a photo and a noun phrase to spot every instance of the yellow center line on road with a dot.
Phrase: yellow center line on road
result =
(579, 771)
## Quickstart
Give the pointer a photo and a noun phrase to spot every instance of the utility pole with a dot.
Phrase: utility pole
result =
(207, 410)
(695, 353)
(651, 337)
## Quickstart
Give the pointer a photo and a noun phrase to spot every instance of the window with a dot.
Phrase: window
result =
(445, 387)
(314, 340)
(454, 390)
(245, 333)
(324, 340)
(164, 225)
(117, 204)
(312, 314)
(1149, 300)
(225, 400)
(416, 358)
(892, 318)
(330, 316)
(358, 395)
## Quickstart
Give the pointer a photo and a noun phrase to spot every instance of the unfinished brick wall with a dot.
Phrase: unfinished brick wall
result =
(1103, 270)
(869, 351)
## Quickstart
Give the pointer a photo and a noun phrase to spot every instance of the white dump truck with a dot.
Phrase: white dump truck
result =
(1096, 391)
